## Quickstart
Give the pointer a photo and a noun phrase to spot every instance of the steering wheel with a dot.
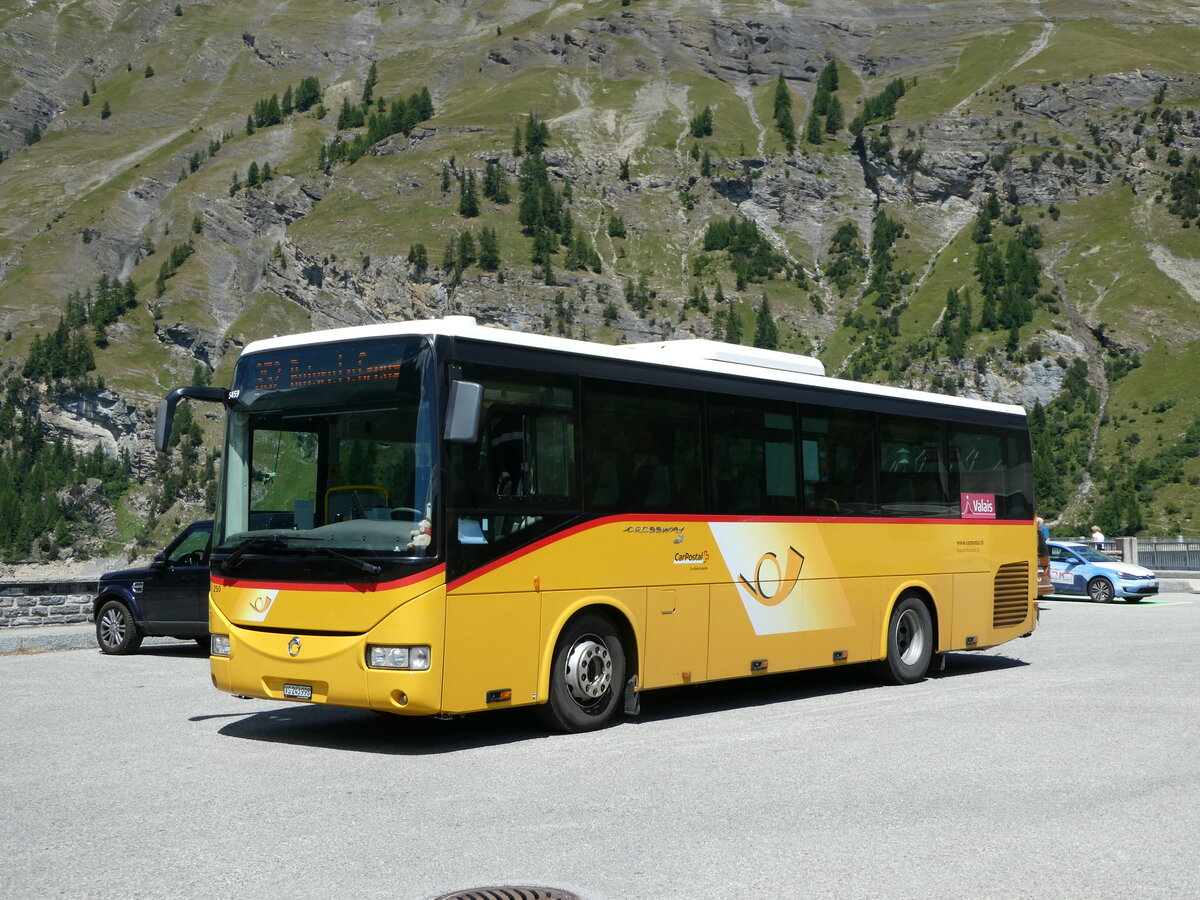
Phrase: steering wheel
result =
(195, 558)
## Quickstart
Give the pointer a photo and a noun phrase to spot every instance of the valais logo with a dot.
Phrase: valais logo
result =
(978, 506)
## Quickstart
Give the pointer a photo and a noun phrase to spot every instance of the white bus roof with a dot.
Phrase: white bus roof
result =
(691, 354)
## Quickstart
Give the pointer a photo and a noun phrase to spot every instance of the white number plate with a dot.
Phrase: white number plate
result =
(297, 691)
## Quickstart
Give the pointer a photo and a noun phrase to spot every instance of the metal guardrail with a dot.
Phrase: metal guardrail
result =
(1169, 554)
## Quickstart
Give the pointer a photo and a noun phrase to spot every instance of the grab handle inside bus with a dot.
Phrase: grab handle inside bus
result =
(463, 411)
(166, 409)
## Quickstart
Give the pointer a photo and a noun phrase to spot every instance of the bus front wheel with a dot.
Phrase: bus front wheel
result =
(587, 675)
(909, 643)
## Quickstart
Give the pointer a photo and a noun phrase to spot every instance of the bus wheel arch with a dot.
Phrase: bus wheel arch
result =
(910, 640)
(594, 653)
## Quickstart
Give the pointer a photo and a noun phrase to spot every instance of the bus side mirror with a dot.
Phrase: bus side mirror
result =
(463, 411)
(166, 409)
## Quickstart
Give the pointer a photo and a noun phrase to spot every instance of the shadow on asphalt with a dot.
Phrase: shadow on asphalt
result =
(363, 731)
(187, 648)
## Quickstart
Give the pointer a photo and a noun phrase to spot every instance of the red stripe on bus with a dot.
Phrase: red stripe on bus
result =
(408, 580)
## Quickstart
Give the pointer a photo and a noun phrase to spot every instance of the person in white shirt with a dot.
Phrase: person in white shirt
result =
(1097, 537)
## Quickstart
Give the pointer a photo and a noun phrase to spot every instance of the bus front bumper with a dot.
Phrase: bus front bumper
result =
(327, 669)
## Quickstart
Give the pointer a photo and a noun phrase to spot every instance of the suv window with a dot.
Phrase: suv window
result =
(193, 549)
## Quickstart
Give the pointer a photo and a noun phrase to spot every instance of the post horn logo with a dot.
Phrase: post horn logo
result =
(294, 647)
(778, 586)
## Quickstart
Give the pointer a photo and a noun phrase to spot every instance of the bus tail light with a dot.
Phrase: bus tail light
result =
(411, 658)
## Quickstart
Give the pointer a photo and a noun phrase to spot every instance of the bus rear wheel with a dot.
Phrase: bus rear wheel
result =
(586, 676)
(909, 642)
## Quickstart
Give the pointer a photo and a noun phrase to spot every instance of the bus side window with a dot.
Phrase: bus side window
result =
(837, 454)
(913, 480)
(641, 449)
(524, 464)
(752, 455)
(992, 461)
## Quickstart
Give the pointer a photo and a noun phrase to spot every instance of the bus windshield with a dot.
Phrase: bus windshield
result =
(329, 458)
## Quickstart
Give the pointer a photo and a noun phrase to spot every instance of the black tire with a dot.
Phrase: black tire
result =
(1100, 590)
(116, 632)
(910, 643)
(587, 675)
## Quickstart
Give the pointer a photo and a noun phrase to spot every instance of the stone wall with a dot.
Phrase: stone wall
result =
(23, 603)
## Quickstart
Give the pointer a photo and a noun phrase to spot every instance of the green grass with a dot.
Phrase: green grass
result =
(978, 63)
(1088, 47)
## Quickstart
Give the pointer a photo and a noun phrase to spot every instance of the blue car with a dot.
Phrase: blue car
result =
(1076, 568)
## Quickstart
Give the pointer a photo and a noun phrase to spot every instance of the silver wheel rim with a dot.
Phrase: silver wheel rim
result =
(1101, 590)
(910, 637)
(112, 627)
(588, 670)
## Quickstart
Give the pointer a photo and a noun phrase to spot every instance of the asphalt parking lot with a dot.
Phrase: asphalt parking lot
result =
(1064, 765)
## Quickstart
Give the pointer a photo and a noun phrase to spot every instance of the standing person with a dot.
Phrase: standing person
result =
(1097, 537)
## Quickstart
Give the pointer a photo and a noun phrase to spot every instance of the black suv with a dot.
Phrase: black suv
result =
(169, 598)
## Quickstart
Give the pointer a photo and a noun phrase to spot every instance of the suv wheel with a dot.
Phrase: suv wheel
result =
(116, 631)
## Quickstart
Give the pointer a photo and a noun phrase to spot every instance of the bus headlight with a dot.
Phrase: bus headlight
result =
(218, 645)
(412, 658)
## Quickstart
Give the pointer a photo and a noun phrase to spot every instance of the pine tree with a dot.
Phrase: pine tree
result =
(813, 133)
(834, 118)
(468, 200)
(308, 93)
(252, 175)
(466, 249)
(733, 327)
(418, 258)
(86, 99)
(489, 250)
(450, 261)
(766, 333)
(289, 102)
(149, 73)
(495, 188)
(369, 85)
(828, 78)
(783, 114)
(105, 111)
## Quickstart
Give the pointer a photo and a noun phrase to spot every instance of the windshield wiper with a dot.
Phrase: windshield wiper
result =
(360, 564)
(260, 539)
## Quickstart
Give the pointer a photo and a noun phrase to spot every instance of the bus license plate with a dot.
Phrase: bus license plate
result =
(297, 691)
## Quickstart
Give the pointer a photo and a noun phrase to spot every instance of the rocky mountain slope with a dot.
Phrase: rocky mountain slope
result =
(1003, 204)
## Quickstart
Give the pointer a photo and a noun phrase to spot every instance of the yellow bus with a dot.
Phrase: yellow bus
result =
(440, 517)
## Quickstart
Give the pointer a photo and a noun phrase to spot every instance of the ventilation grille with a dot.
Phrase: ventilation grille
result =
(1010, 601)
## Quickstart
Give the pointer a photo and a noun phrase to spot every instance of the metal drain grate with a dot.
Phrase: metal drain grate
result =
(511, 892)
